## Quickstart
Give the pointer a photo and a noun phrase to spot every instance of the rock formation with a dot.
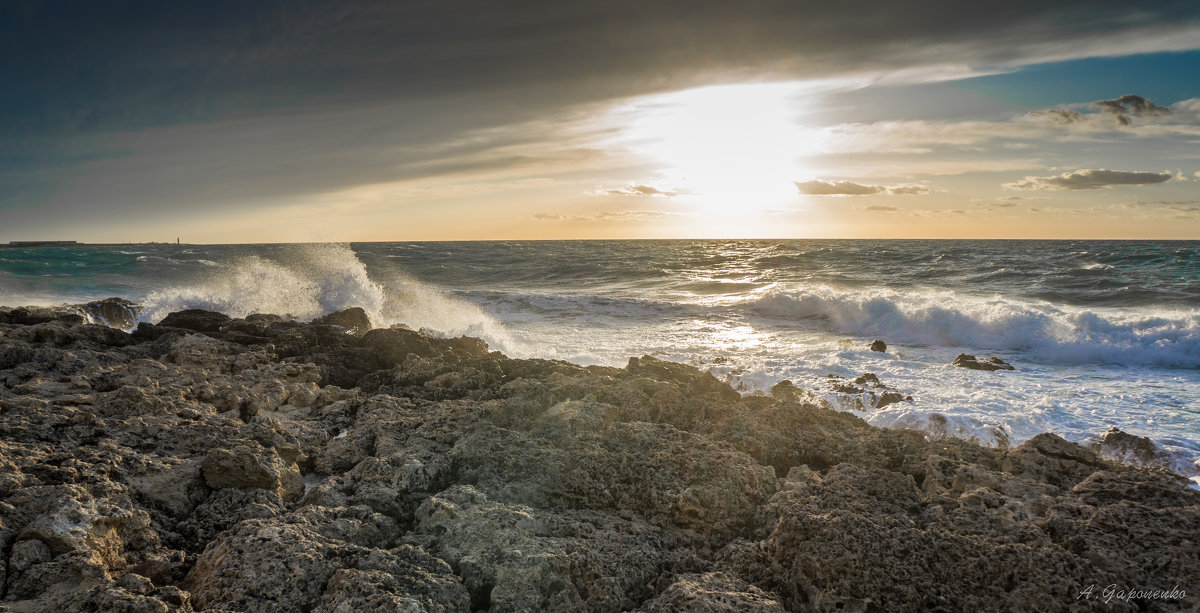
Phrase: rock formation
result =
(262, 464)
(966, 360)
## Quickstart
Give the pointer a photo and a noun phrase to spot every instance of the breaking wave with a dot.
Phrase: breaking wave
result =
(1055, 333)
(307, 281)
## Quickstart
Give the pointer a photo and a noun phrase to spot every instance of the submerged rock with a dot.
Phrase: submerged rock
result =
(966, 360)
(863, 393)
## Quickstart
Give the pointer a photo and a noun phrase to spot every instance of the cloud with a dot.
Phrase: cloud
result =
(1129, 105)
(228, 105)
(1182, 119)
(1021, 198)
(611, 216)
(817, 187)
(876, 207)
(1121, 110)
(836, 188)
(1090, 179)
(1181, 208)
(637, 189)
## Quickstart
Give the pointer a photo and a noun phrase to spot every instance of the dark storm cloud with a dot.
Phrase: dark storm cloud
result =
(338, 86)
(1091, 179)
(132, 64)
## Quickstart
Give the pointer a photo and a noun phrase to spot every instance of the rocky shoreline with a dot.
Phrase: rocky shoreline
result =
(263, 464)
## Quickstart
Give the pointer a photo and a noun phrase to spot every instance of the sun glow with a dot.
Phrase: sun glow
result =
(727, 147)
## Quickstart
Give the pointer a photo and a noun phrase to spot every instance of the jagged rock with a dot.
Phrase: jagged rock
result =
(247, 466)
(863, 393)
(354, 320)
(514, 557)
(1050, 458)
(199, 320)
(690, 378)
(114, 312)
(1119, 445)
(321, 559)
(227, 469)
(712, 593)
(878, 345)
(224, 509)
(966, 360)
(27, 316)
(100, 527)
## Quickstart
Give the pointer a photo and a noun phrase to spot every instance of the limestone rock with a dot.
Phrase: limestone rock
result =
(320, 559)
(265, 464)
(1118, 445)
(354, 320)
(199, 320)
(246, 466)
(715, 592)
(114, 312)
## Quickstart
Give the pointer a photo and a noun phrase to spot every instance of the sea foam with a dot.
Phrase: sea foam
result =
(1054, 333)
(307, 281)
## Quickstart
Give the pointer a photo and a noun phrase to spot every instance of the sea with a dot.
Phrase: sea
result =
(1100, 333)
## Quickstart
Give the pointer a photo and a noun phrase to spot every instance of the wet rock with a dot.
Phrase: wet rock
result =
(878, 345)
(966, 360)
(863, 393)
(354, 320)
(199, 320)
(1118, 445)
(113, 312)
(27, 316)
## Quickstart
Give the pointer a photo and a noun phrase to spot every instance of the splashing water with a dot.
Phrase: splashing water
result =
(307, 281)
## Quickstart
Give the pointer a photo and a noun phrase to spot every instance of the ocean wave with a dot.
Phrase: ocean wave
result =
(307, 281)
(1134, 337)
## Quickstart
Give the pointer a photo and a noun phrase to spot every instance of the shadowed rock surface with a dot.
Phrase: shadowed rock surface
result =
(261, 464)
(966, 360)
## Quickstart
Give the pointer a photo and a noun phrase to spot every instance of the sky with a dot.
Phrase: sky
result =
(232, 122)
